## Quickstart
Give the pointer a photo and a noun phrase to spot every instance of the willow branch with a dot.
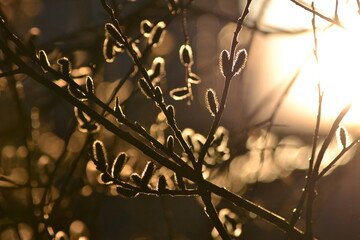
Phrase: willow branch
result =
(216, 121)
(144, 73)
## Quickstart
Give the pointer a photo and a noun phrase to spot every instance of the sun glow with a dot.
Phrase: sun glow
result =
(337, 68)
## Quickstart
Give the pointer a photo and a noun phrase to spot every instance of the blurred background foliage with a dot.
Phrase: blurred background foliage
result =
(257, 154)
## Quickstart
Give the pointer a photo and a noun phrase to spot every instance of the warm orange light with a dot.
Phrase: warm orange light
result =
(284, 54)
(337, 71)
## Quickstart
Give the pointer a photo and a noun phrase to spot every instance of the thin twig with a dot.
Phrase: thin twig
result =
(336, 18)
(53, 174)
(216, 121)
(157, 192)
(10, 73)
(297, 210)
(115, 7)
(273, 92)
(329, 137)
(9, 180)
(72, 169)
(25, 136)
(337, 158)
(316, 13)
(313, 24)
(271, 217)
(254, 32)
(272, 117)
(263, 29)
(314, 176)
(213, 215)
(184, 29)
(305, 190)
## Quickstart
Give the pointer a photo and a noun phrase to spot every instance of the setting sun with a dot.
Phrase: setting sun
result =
(293, 48)
(337, 69)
